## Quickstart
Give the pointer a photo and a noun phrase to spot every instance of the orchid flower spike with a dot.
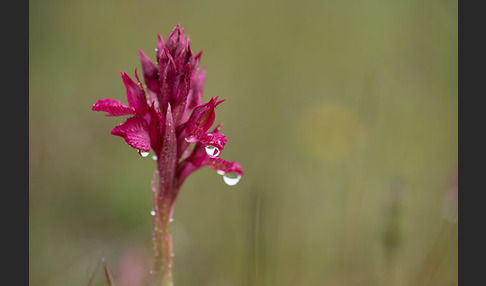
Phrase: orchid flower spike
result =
(170, 105)
(167, 116)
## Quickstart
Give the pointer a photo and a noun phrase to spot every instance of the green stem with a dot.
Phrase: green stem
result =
(162, 239)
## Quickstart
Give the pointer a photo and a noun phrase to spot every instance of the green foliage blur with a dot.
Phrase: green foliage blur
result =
(343, 115)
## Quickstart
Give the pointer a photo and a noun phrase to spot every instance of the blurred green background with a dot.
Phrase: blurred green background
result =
(343, 115)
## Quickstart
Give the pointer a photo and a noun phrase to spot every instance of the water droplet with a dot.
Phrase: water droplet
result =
(143, 153)
(171, 219)
(220, 172)
(191, 139)
(154, 157)
(156, 50)
(212, 151)
(231, 179)
(152, 213)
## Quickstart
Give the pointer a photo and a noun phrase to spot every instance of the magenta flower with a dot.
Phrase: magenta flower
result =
(167, 116)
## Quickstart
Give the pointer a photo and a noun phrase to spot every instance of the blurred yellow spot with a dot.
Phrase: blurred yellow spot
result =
(330, 131)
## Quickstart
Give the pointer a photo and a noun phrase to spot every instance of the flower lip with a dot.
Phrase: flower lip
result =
(135, 131)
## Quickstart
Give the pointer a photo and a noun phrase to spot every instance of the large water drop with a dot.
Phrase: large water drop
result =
(212, 151)
(231, 179)
(143, 153)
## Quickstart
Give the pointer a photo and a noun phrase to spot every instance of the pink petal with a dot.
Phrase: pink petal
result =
(225, 166)
(213, 139)
(135, 95)
(151, 77)
(202, 117)
(157, 124)
(113, 107)
(176, 42)
(197, 84)
(167, 77)
(181, 93)
(135, 131)
(160, 47)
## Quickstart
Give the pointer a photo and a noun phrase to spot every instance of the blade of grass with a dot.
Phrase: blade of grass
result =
(108, 275)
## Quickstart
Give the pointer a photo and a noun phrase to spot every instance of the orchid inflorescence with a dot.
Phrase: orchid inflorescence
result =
(168, 117)
(171, 107)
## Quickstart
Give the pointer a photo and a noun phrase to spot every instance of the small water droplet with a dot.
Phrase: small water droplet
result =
(231, 179)
(143, 153)
(220, 172)
(152, 213)
(191, 139)
(212, 151)
(154, 157)
(156, 50)
(171, 219)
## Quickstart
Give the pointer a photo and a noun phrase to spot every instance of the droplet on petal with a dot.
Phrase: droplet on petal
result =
(220, 172)
(171, 219)
(231, 179)
(152, 213)
(143, 153)
(191, 139)
(212, 151)
(154, 157)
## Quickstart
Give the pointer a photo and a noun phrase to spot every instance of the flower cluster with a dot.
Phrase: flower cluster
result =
(167, 114)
